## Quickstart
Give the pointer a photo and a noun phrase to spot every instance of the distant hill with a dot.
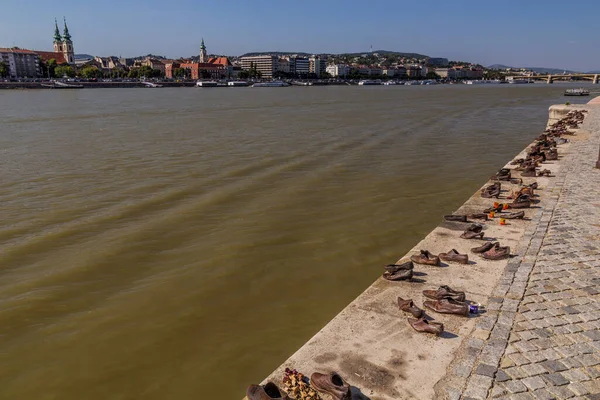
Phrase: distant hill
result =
(148, 55)
(594, 72)
(275, 53)
(83, 56)
(539, 70)
(300, 53)
(393, 53)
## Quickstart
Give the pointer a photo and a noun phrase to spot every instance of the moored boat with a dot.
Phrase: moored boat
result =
(577, 92)
(60, 85)
(271, 84)
(368, 82)
(152, 85)
(207, 84)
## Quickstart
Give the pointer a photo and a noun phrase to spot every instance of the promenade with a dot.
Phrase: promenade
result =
(538, 334)
(541, 337)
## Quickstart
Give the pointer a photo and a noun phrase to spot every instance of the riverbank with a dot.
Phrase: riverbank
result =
(170, 84)
(370, 342)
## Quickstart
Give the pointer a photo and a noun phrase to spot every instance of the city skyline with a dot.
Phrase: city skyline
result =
(528, 36)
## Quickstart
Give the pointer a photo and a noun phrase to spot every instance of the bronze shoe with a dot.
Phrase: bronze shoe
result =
(497, 252)
(482, 216)
(266, 392)
(472, 232)
(409, 307)
(331, 384)
(454, 255)
(399, 267)
(456, 218)
(425, 257)
(448, 306)
(444, 292)
(492, 190)
(545, 172)
(529, 171)
(399, 275)
(483, 248)
(520, 204)
(515, 215)
(422, 325)
(495, 209)
(502, 175)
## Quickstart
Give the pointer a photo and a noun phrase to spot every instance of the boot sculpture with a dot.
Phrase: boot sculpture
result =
(472, 232)
(409, 307)
(448, 306)
(497, 252)
(483, 248)
(331, 384)
(399, 272)
(269, 391)
(455, 256)
(425, 257)
(422, 325)
(444, 292)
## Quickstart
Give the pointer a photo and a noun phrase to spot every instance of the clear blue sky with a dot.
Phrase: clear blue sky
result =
(559, 34)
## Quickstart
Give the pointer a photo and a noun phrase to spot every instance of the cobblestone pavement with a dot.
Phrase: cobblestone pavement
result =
(541, 339)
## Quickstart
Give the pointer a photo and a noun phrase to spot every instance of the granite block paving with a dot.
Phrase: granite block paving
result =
(552, 350)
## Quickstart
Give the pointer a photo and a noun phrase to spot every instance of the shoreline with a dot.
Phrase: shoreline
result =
(372, 346)
(190, 84)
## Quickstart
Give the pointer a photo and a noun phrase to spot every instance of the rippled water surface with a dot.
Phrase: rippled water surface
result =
(182, 243)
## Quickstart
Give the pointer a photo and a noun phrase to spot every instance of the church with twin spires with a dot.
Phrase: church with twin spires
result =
(63, 53)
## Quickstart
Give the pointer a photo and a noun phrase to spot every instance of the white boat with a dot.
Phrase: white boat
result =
(152, 85)
(519, 81)
(577, 92)
(271, 84)
(61, 85)
(367, 82)
(390, 83)
(207, 84)
(237, 83)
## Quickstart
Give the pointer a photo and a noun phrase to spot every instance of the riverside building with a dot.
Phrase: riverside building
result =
(266, 64)
(21, 63)
(213, 68)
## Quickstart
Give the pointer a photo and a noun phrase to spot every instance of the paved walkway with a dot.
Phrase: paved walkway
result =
(541, 336)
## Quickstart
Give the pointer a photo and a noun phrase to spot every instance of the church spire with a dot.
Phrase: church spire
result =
(203, 55)
(57, 37)
(66, 34)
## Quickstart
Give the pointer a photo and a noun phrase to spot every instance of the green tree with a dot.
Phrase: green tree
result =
(181, 73)
(4, 70)
(432, 75)
(64, 70)
(244, 75)
(90, 71)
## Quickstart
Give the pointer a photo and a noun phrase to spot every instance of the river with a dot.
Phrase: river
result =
(181, 243)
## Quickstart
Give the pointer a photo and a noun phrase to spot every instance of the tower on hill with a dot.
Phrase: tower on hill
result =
(203, 54)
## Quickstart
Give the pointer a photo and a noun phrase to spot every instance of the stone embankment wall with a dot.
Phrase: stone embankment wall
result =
(93, 85)
(370, 342)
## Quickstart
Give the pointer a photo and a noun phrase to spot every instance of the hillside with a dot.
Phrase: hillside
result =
(540, 70)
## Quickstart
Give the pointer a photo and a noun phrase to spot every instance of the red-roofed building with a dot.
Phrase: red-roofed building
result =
(49, 55)
(215, 71)
(215, 67)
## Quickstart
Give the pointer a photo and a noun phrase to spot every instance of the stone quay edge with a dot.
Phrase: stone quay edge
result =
(370, 342)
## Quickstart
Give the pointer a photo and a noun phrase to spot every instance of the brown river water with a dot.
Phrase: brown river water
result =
(182, 243)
